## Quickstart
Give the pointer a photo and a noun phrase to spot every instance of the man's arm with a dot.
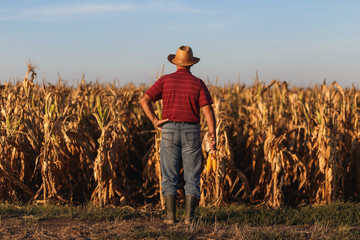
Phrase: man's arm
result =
(211, 122)
(146, 104)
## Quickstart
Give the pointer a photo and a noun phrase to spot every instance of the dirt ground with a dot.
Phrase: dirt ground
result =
(152, 228)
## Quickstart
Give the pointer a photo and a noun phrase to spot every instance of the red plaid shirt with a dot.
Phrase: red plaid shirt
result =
(182, 93)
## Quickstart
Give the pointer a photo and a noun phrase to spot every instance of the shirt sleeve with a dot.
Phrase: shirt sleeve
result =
(154, 92)
(205, 97)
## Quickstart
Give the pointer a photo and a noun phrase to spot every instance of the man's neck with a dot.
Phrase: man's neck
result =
(181, 67)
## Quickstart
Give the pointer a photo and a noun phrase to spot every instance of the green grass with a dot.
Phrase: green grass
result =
(89, 212)
(335, 214)
(338, 220)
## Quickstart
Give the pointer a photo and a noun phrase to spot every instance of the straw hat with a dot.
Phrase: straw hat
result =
(184, 57)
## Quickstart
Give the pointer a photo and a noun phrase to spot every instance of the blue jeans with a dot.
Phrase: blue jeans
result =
(180, 141)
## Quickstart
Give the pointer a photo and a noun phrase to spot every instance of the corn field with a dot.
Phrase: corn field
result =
(93, 143)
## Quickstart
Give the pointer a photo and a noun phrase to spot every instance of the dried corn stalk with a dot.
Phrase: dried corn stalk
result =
(276, 145)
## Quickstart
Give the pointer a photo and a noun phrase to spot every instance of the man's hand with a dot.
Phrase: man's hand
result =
(210, 119)
(146, 104)
(212, 142)
(159, 123)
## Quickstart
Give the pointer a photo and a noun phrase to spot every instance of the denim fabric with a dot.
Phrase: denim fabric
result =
(180, 141)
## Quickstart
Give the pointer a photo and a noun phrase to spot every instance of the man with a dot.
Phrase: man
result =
(183, 95)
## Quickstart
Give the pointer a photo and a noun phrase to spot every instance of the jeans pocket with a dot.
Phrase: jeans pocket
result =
(193, 139)
(167, 139)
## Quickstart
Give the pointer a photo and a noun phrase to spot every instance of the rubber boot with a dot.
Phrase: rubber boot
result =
(170, 206)
(190, 203)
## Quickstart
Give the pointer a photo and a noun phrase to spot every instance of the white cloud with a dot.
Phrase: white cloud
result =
(54, 12)
(79, 9)
(168, 6)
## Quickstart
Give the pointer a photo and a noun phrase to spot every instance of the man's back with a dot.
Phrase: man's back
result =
(183, 94)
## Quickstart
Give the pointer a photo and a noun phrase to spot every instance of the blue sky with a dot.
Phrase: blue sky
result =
(301, 42)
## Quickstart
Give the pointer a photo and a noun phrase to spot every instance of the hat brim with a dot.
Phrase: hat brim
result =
(172, 59)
